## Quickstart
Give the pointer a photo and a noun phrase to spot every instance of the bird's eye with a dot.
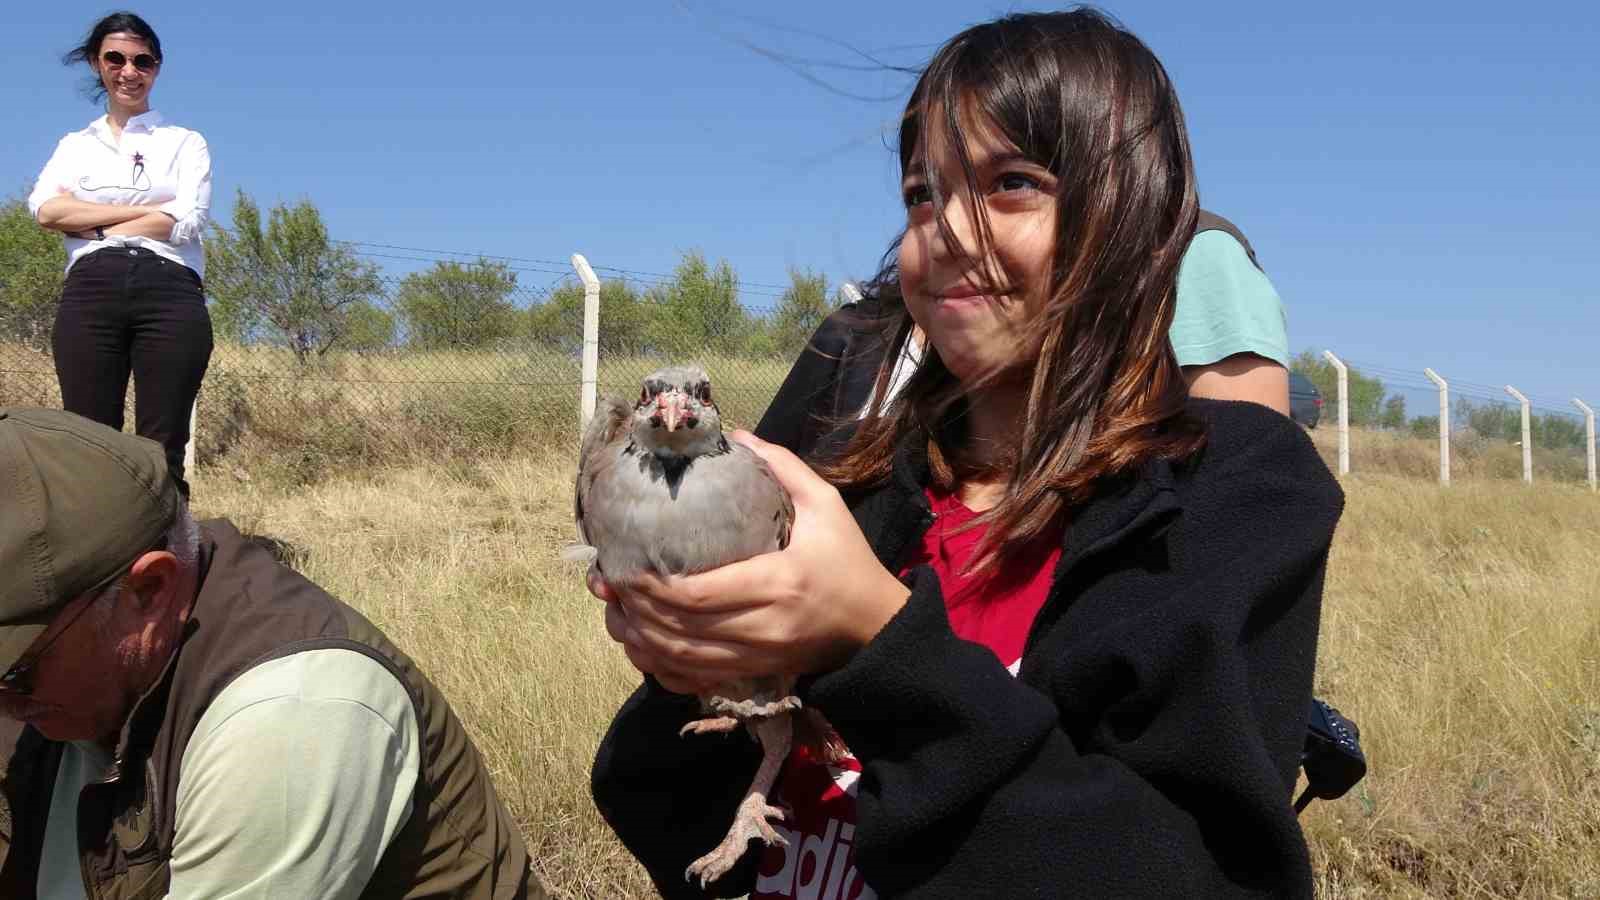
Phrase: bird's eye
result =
(702, 392)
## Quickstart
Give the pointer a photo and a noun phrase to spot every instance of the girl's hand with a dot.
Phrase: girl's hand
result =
(801, 610)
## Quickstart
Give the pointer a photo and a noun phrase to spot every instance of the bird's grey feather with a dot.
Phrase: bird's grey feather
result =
(609, 423)
(722, 508)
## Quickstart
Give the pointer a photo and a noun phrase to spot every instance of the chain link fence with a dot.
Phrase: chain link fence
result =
(1395, 415)
(27, 370)
(438, 356)
(446, 356)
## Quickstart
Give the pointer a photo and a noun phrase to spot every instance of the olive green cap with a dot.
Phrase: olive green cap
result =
(79, 503)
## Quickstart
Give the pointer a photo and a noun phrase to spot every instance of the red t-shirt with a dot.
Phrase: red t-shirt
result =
(995, 609)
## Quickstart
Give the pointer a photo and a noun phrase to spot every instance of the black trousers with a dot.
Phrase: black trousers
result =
(126, 310)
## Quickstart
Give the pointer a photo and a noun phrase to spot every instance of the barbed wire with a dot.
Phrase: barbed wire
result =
(555, 265)
(1404, 378)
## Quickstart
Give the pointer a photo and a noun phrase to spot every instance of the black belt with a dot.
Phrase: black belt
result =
(126, 251)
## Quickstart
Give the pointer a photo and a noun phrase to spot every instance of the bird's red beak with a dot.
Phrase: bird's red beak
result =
(671, 407)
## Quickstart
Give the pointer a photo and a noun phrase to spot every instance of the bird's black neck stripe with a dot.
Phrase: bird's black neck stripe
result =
(674, 466)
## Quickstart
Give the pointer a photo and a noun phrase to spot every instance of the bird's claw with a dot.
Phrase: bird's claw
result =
(722, 724)
(751, 710)
(751, 821)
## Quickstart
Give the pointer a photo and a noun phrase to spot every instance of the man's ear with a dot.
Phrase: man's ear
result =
(154, 581)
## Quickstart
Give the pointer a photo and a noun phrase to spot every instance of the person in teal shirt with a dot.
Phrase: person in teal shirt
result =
(1230, 331)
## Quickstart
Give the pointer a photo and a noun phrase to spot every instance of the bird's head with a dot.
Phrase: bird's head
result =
(675, 415)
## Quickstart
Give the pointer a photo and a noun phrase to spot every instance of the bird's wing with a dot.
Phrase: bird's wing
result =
(767, 483)
(608, 426)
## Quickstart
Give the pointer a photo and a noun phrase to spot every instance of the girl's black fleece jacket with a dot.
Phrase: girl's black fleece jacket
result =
(1147, 748)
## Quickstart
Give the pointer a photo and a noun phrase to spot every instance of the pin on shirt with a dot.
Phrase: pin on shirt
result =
(137, 176)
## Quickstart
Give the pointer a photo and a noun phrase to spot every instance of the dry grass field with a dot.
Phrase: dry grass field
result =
(1461, 625)
(1461, 630)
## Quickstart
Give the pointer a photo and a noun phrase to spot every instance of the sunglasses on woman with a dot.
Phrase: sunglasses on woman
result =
(114, 59)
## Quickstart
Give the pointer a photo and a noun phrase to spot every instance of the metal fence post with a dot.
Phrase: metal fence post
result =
(1344, 411)
(1588, 415)
(1527, 434)
(588, 392)
(1444, 424)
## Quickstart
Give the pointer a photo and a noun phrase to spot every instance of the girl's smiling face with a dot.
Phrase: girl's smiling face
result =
(975, 298)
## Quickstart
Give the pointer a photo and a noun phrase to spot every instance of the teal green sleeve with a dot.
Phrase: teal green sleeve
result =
(1226, 305)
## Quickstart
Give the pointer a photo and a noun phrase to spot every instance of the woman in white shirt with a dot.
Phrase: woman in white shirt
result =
(131, 194)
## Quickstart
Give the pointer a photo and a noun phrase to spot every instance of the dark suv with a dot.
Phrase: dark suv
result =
(1305, 401)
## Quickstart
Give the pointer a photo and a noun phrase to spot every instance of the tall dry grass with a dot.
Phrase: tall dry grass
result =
(1461, 629)
(261, 409)
(433, 491)
(457, 563)
(1472, 456)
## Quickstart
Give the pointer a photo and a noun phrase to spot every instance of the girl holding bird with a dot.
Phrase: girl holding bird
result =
(1063, 615)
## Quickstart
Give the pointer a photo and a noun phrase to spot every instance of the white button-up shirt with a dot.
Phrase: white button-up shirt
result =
(158, 165)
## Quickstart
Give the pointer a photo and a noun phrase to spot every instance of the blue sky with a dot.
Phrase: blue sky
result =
(1418, 178)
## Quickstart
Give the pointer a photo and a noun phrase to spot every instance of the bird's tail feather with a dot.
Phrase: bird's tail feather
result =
(811, 729)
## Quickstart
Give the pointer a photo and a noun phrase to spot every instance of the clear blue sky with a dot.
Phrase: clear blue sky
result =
(1418, 178)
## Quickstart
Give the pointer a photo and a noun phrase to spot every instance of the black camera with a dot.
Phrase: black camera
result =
(1332, 757)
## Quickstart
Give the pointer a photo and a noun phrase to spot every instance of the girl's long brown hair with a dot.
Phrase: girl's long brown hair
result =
(1088, 101)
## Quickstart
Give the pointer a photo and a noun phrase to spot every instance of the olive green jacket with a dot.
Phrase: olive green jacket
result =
(458, 842)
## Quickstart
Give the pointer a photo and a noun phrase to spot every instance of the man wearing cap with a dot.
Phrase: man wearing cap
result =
(182, 716)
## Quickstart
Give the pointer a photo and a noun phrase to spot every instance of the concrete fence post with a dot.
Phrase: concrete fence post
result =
(1527, 434)
(188, 449)
(1344, 410)
(588, 392)
(1588, 415)
(1444, 424)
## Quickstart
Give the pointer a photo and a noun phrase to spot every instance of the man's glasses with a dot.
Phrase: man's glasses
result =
(18, 680)
(114, 59)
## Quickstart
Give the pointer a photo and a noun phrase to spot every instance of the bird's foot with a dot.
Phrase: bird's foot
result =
(750, 822)
(708, 726)
(751, 710)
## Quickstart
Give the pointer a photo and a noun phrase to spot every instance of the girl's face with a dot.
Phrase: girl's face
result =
(975, 304)
(128, 69)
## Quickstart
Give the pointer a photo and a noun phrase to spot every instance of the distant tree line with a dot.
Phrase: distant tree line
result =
(31, 264)
(279, 279)
(283, 281)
